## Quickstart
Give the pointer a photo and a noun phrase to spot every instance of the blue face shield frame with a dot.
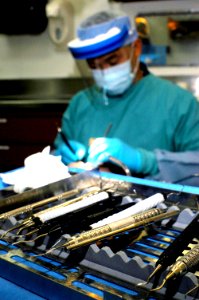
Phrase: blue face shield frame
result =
(81, 51)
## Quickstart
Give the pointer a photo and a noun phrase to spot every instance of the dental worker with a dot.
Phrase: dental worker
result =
(153, 124)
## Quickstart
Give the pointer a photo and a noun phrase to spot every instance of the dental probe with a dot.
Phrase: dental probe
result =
(182, 265)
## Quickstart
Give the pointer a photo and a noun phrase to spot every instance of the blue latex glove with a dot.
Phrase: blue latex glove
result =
(76, 153)
(137, 160)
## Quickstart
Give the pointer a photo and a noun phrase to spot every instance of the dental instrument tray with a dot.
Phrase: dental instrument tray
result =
(102, 236)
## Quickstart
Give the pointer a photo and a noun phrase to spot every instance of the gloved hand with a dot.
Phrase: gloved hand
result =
(137, 160)
(76, 153)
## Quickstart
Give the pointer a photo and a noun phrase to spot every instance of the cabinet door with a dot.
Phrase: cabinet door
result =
(29, 129)
(12, 156)
(22, 134)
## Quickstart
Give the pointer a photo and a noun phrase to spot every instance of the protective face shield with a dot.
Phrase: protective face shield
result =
(99, 35)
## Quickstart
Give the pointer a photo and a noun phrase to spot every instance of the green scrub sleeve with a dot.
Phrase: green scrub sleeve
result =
(149, 164)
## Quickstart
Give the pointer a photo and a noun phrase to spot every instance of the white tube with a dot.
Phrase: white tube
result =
(134, 209)
(61, 210)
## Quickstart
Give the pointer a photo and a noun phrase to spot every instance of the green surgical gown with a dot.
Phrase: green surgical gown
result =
(153, 114)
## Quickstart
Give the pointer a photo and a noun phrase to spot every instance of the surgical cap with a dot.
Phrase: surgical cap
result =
(102, 33)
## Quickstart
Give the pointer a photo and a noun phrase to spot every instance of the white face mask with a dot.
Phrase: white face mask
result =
(114, 80)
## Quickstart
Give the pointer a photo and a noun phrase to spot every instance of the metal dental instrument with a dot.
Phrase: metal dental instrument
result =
(182, 265)
(120, 164)
(18, 226)
(108, 129)
(93, 235)
(80, 181)
(111, 158)
(115, 160)
(71, 208)
(175, 249)
(45, 213)
(74, 204)
(30, 207)
(117, 227)
(29, 241)
(33, 240)
(141, 206)
(66, 141)
(193, 289)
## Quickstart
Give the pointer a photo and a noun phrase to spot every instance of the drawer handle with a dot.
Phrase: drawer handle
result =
(3, 120)
(4, 147)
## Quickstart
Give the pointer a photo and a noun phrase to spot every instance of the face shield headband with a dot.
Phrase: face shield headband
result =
(100, 39)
